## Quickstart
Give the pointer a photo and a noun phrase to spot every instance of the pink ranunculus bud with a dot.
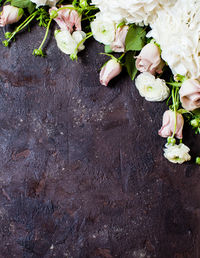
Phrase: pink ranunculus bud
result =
(118, 45)
(149, 59)
(10, 15)
(190, 94)
(68, 19)
(109, 71)
(168, 125)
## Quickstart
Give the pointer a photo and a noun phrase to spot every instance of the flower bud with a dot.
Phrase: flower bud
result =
(149, 59)
(171, 140)
(10, 15)
(67, 19)
(195, 123)
(110, 70)
(198, 160)
(168, 125)
(118, 45)
(190, 94)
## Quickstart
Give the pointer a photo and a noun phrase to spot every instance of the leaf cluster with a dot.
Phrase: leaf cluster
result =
(24, 4)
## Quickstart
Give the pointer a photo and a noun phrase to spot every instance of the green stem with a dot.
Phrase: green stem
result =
(83, 40)
(23, 24)
(88, 17)
(113, 57)
(66, 7)
(46, 34)
(174, 84)
(174, 99)
(120, 58)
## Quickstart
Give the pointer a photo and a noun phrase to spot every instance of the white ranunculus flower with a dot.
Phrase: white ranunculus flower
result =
(133, 11)
(150, 88)
(103, 29)
(68, 42)
(177, 30)
(45, 2)
(177, 153)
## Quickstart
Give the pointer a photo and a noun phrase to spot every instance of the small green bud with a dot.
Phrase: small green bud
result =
(171, 140)
(5, 43)
(8, 35)
(83, 4)
(38, 52)
(53, 14)
(198, 160)
(195, 122)
(73, 56)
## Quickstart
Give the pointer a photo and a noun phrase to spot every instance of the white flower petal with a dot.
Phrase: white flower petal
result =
(150, 88)
(177, 153)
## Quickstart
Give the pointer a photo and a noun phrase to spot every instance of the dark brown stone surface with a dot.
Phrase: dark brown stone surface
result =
(82, 170)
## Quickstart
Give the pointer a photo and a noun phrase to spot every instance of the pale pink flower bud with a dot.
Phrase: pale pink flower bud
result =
(68, 19)
(118, 45)
(190, 94)
(168, 125)
(109, 71)
(149, 59)
(9, 15)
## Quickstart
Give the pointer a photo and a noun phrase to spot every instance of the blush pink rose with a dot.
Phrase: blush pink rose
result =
(149, 60)
(109, 71)
(168, 125)
(68, 19)
(10, 15)
(190, 94)
(118, 45)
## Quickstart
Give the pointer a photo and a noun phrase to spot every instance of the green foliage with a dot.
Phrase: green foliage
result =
(30, 6)
(43, 17)
(130, 64)
(108, 49)
(135, 39)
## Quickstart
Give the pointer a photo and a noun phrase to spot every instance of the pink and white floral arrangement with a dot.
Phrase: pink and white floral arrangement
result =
(152, 36)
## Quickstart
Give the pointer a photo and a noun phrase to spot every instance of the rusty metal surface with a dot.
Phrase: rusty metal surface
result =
(82, 172)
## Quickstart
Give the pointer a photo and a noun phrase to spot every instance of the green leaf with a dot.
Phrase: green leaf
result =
(196, 112)
(108, 49)
(135, 39)
(184, 111)
(130, 64)
(20, 12)
(24, 4)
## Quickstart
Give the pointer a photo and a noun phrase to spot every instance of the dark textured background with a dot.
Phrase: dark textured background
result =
(82, 170)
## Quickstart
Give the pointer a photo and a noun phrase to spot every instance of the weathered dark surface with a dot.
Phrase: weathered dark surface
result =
(82, 172)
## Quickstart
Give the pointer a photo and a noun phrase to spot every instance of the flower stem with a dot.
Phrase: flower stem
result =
(23, 25)
(39, 52)
(83, 40)
(175, 99)
(46, 34)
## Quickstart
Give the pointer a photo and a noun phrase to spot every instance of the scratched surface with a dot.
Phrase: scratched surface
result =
(82, 171)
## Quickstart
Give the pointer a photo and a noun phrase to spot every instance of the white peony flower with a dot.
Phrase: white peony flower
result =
(45, 2)
(103, 29)
(177, 30)
(151, 88)
(177, 153)
(68, 42)
(132, 11)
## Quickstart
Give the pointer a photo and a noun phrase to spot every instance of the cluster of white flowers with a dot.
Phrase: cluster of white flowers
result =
(132, 11)
(177, 30)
